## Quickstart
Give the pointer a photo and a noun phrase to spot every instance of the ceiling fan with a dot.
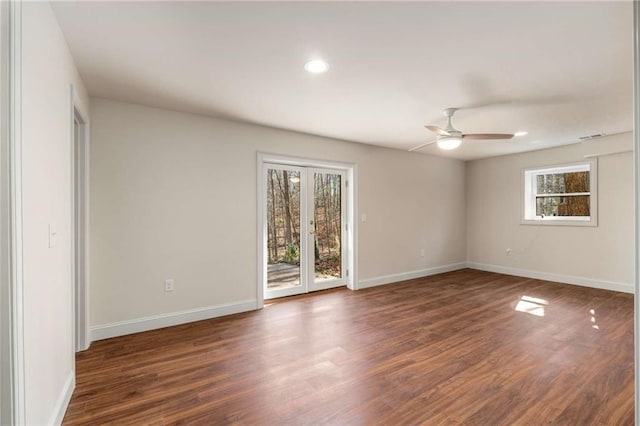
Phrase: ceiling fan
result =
(451, 138)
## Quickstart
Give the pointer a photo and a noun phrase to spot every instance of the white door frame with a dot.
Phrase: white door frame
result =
(80, 223)
(12, 389)
(5, 306)
(636, 154)
(351, 213)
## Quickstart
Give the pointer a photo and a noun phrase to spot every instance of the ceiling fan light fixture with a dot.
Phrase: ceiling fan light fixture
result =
(449, 142)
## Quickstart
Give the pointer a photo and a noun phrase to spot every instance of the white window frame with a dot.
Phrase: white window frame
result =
(529, 216)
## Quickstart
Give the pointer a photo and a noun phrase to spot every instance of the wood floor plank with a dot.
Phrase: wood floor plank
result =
(462, 348)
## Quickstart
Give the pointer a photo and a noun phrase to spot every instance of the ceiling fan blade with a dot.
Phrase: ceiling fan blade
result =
(415, 148)
(487, 136)
(437, 130)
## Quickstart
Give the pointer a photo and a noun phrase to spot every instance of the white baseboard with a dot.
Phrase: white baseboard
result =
(121, 328)
(64, 398)
(386, 279)
(547, 276)
(138, 325)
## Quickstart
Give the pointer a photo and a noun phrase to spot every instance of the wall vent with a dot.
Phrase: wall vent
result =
(588, 138)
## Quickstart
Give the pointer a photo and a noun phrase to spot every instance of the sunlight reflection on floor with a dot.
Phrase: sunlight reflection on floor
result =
(532, 305)
(593, 319)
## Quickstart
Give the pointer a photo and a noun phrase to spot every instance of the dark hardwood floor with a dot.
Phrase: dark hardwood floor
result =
(466, 347)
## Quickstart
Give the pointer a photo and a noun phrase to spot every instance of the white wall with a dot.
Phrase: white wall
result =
(173, 195)
(47, 73)
(601, 255)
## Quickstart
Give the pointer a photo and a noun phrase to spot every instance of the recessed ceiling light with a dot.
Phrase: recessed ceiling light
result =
(317, 66)
(523, 133)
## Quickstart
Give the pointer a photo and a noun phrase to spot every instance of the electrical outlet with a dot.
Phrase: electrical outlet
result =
(53, 235)
(421, 252)
(169, 284)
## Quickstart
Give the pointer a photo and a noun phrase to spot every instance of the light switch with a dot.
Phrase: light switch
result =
(53, 235)
(363, 217)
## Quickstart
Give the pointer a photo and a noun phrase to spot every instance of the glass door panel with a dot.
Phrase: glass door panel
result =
(328, 223)
(283, 205)
(304, 224)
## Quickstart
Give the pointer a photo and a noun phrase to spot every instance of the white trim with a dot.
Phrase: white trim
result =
(604, 154)
(558, 221)
(80, 262)
(579, 166)
(265, 157)
(388, 279)
(546, 276)
(261, 232)
(16, 284)
(6, 401)
(351, 223)
(64, 398)
(122, 328)
(565, 194)
(326, 285)
(529, 195)
(636, 168)
(559, 278)
(154, 322)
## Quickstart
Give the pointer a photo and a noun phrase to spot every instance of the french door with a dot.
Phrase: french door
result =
(305, 214)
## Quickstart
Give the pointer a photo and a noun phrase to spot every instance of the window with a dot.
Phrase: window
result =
(561, 195)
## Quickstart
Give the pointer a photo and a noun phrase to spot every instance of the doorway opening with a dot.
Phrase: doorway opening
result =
(305, 214)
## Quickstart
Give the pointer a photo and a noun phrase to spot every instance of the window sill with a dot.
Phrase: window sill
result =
(560, 222)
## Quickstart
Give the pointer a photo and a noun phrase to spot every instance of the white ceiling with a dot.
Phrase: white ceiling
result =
(558, 70)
